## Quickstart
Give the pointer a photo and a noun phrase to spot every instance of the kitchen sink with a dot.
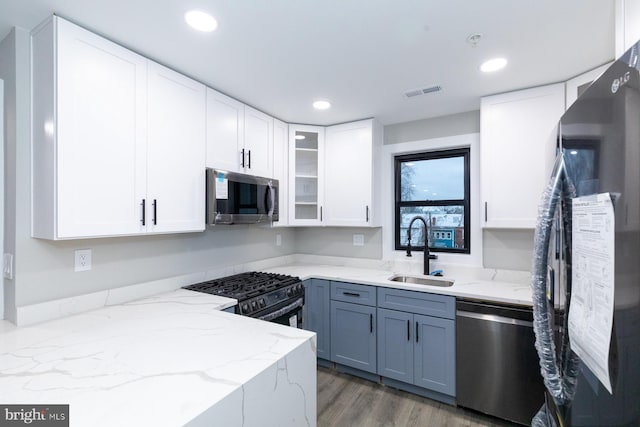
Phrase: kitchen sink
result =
(421, 280)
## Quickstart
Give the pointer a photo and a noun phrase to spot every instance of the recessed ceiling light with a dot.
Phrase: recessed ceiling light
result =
(494, 64)
(201, 21)
(300, 136)
(574, 152)
(322, 105)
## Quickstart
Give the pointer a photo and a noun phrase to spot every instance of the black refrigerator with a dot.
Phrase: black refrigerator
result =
(586, 266)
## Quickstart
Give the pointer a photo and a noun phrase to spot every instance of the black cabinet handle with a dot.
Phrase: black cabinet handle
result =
(351, 294)
(367, 213)
(249, 161)
(144, 212)
(408, 330)
(320, 213)
(155, 212)
(370, 322)
(242, 164)
(485, 211)
(417, 333)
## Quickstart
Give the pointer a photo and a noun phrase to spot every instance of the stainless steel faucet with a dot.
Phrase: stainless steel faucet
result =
(427, 255)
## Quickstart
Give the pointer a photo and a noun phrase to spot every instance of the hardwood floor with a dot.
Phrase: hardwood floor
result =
(348, 401)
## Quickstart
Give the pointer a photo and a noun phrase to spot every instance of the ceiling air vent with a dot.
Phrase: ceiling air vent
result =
(421, 91)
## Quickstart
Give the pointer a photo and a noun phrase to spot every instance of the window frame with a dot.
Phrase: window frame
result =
(466, 202)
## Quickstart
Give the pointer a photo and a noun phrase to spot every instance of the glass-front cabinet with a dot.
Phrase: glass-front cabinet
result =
(306, 155)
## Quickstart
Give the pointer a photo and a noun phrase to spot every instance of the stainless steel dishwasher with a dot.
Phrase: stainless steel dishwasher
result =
(497, 367)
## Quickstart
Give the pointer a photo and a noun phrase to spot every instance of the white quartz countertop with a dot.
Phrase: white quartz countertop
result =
(488, 290)
(160, 361)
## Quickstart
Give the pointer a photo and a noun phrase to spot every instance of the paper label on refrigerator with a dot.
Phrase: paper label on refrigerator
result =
(222, 187)
(592, 293)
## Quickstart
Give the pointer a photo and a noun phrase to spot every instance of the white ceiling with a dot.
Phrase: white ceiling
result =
(280, 55)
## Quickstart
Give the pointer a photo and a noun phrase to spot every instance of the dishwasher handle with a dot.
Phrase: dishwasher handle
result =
(494, 318)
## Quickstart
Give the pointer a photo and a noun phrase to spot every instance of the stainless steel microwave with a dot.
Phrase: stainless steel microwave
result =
(235, 198)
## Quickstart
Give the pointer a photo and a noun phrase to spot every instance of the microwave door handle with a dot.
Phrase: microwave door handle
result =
(271, 197)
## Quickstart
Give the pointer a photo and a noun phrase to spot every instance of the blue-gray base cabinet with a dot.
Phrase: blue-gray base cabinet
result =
(316, 315)
(353, 326)
(416, 346)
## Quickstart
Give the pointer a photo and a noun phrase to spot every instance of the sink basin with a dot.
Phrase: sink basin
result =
(421, 280)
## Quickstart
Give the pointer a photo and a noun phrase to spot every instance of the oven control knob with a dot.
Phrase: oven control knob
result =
(261, 303)
(245, 307)
(299, 287)
(254, 305)
(289, 292)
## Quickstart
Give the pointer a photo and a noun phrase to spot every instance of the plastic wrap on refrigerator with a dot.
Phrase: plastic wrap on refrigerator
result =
(559, 373)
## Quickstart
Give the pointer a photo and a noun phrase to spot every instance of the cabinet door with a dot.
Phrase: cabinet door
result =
(306, 166)
(225, 132)
(281, 170)
(176, 152)
(317, 314)
(395, 345)
(353, 335)
(100, 134)
(517, 149)
(348, 178)
(258, 142)
(435, 354)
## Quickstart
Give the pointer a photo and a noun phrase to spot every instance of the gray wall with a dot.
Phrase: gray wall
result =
(436, 127)
(504, 249)
(44, 269)
(338, 241)
(507, 249)
(14, 70)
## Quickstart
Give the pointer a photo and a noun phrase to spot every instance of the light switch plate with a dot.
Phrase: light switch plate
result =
(83, 260)
(358, 240)
(278, 240)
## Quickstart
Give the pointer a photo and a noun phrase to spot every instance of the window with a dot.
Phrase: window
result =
(434, 186)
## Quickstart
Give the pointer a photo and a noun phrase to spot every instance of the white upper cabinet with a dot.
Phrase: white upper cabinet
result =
(306, 179)
(89, 136)
(517, 148)
(349, 178)
(258, 142)
(239, 138)
(627, 25)
(281, 170)
(225, 132)
(93, 163)
(175, 152)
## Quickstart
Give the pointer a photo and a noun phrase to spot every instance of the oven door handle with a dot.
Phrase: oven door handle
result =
(284, 310)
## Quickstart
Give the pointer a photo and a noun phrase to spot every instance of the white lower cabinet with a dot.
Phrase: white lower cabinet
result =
(112, 132)
(518, 136)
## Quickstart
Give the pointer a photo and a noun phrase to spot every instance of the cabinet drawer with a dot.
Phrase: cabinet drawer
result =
(417, 302)
(353, 292)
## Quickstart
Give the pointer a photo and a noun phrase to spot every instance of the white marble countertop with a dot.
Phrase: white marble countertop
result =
(160, 361)
(488, 290)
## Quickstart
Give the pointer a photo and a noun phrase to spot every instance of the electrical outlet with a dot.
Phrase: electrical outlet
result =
(7, 266)
(358, 240)
(278, 240)
(83, 260)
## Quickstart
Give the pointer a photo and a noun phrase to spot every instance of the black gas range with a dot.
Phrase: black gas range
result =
(268, 296)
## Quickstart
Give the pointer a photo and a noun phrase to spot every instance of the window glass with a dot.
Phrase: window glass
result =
(433, 179)
(435, 187)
